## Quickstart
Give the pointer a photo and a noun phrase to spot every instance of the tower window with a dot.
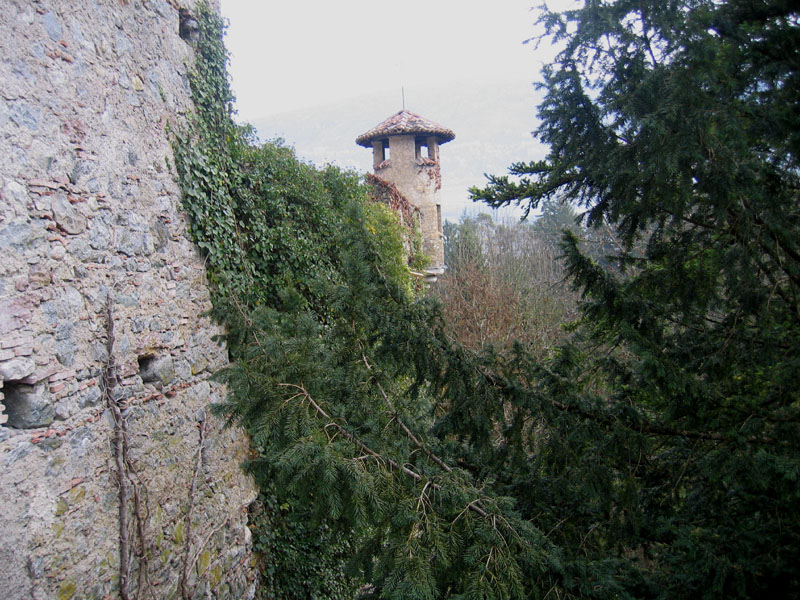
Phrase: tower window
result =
(419, 145)
(380, 152)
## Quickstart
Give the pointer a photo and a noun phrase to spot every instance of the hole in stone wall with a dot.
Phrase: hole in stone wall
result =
(147, 369)
(189, 28)
(11, 391)
(156, 369)
(27, 406)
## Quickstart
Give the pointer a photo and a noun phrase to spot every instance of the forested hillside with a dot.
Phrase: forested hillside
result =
(648, 451)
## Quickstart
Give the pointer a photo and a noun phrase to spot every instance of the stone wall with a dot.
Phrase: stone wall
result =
(90, 215)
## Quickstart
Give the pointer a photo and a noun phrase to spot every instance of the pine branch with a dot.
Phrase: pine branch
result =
(652, 428)
(404, 427)
(303, 393)
(642, 426)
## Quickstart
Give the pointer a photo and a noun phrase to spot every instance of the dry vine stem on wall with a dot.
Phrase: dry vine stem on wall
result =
(186, 594)
(127, 479)
(130, 484)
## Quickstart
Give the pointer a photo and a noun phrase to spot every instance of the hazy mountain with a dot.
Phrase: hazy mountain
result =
(492, 123)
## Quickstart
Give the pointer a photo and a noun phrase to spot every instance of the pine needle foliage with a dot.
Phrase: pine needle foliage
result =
(677, 123)
(653, 456)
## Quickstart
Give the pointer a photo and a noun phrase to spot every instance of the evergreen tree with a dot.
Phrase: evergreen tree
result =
(656, 455)
(678, 123)
(554, 219)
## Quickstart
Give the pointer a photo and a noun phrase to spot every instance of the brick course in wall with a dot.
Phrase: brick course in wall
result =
(90, 213)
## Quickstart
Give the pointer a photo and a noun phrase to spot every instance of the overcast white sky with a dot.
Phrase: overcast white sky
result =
(290, 54)
(302, 54)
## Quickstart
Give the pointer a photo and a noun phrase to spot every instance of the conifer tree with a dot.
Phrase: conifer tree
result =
(678, 123)
(656, 454)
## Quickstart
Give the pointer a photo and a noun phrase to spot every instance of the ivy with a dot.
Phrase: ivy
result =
(301, 558)
(274, 233)
(263, 220)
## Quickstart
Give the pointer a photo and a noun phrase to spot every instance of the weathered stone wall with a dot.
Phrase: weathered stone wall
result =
(419, 180)
(89, 210)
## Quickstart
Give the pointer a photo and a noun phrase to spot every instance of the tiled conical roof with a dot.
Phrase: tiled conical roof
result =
(405, 123)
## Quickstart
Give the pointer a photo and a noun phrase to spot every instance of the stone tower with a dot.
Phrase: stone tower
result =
(405, 151)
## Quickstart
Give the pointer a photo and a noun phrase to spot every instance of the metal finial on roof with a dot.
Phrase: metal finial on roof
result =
(403, 94)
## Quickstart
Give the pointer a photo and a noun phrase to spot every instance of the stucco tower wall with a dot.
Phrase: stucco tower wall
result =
(419, 181)
(89, 210)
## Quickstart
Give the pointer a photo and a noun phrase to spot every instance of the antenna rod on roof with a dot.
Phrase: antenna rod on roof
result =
(403, 94)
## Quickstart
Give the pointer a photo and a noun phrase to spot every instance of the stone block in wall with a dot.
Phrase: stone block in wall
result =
(16, 369)
(67, 216)
(16, 312)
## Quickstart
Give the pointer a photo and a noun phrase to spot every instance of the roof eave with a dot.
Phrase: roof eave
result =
(366, 139)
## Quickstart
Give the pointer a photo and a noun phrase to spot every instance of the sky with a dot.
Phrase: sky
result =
(292, 54)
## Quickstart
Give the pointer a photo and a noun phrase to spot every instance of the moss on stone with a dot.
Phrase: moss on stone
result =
(66, 590)
(203, 562)
(77, 494)
(61, 507)
(58, 527)
(215, 576)
(177, 533)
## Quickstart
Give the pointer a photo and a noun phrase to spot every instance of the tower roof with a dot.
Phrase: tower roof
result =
(405, 123)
